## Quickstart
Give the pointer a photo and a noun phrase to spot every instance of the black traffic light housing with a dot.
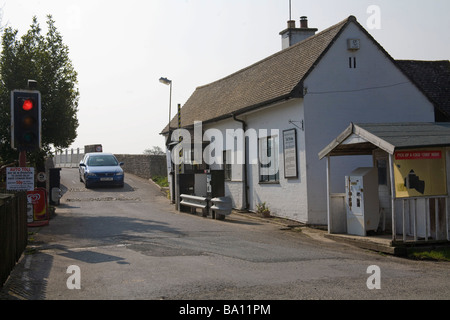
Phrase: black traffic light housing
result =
(26, 120)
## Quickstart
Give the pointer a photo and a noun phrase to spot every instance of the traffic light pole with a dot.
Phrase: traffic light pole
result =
(22, 159)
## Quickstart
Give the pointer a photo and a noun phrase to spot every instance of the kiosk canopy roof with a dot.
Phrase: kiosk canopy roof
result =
(362, 139)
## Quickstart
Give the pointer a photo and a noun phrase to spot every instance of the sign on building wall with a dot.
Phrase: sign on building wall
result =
(290, 153)
(420, 173)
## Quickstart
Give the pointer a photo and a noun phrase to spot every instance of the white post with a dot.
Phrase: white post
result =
(391, 174)
(415, 219)
(404, 220)
(447, 218)
(436, 217)
(328, 195)
(56, 158)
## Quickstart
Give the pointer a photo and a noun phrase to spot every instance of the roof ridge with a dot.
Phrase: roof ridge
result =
(337, 25)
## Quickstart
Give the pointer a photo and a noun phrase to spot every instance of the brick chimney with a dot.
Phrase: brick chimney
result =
(304, 22)
(293, 35)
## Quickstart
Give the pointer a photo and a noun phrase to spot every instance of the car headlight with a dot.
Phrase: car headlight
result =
(91, 174)
(119, 173)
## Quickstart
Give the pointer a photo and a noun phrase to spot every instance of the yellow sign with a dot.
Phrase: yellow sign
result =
(420, 173)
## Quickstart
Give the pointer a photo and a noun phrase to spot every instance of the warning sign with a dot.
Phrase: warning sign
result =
(420, 173)
(20, 179)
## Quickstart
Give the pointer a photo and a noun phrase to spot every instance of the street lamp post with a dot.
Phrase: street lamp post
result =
(174, 181)
(169, 83)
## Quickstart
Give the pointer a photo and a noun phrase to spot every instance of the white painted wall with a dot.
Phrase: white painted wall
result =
(234, 188)
(288, 197)
(374, 91)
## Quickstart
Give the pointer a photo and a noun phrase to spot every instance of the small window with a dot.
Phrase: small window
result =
(227, 165)
(382, 172)
(268, 157)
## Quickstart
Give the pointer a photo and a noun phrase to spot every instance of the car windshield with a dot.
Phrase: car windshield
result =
(102, 161)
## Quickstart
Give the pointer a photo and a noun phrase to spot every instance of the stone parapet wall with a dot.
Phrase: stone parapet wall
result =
(144, 166)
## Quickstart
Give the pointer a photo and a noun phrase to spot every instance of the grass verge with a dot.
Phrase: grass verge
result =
(438, 254)
(161, 181)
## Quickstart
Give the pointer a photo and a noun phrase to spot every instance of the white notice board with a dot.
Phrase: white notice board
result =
(290, 153)
(20, 179)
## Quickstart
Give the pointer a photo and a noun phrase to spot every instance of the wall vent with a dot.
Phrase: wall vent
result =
(353, 44)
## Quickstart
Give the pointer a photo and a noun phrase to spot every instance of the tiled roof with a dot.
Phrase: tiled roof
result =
(273, 79)
(433, 78)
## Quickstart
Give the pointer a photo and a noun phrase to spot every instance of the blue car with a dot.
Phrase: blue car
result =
(101, 169)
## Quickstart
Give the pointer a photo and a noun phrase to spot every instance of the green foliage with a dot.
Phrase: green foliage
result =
(262, 208)
(44, 58)
(439, 254)
(161, 181)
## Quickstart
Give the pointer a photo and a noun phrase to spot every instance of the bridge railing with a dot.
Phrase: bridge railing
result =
(68, 158)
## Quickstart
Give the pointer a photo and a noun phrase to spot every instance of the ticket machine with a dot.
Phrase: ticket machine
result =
(362, 202)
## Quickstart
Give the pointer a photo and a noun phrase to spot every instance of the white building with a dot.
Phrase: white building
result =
(310, 90)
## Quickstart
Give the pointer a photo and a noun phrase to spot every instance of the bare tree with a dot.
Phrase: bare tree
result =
(154, 151)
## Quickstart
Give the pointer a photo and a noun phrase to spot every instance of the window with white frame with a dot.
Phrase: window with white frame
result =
(227, 165)
(268, 159)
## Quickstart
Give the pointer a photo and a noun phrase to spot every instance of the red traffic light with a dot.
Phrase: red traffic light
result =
(25, 120)
(27, 105)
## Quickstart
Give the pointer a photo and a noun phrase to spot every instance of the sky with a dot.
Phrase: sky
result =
(120, 49)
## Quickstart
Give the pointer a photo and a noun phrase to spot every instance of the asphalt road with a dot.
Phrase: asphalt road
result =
(130, 243)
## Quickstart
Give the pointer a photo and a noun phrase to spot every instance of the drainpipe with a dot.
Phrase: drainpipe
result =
(244, 128)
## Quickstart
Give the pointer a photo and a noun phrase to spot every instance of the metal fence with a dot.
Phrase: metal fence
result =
(68, 158)
(13, 231)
